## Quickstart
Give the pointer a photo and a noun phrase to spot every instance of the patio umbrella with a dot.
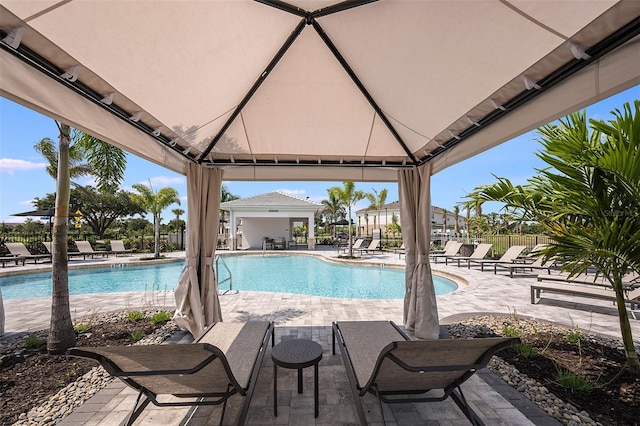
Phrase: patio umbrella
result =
(48, 213)
(420, 308)
(341, 222)
(197, 303)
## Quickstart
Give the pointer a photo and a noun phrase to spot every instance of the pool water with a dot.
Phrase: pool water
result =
(284, 274)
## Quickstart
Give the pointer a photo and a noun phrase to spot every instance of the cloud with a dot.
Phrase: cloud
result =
(26, 203)
(11, 165)
(183, 198)
(161, 181)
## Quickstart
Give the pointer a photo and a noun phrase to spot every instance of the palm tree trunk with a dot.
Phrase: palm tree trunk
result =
(61, 334)
(156, 229)
(627, 335)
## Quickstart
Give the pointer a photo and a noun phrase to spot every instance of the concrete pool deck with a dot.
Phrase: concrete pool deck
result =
(311, 316)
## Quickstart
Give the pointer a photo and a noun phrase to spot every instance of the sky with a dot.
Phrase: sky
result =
(23, 176)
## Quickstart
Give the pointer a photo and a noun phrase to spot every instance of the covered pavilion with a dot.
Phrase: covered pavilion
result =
(358, 90)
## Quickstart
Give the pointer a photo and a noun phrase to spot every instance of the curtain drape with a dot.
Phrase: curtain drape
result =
(420, 307)
(197, 303)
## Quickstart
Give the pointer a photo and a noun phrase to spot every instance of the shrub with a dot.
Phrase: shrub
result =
(162, 316)
(526, 350)
(575, 335)
(509, 331)
(82, 328)
(137, 335)
(135, 316)
(570, 380)
(34, 342)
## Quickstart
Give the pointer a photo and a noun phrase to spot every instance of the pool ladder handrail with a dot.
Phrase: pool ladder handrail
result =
(217, 262)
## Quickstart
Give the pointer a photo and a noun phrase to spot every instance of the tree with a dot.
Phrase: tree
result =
(154, 203)
(376, 201)
(348, 196)
(178, 213)
(99, 210)
(66, 162)
(456, 217)
(333, 209)
(588, 200)
(444, 221)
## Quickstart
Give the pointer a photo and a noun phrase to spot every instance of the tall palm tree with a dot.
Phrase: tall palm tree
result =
(178, 213)
(444, 221)
(154, 203)
(588, 201)
(376, 201)
(107, 164)
(333, 209)
(456, 217)
(348, 196)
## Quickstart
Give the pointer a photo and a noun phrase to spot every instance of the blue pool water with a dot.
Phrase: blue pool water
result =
(285, 274)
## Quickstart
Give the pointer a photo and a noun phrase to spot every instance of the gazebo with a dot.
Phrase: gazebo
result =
(359, 90)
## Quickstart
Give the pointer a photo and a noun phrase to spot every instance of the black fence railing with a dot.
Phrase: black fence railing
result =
(138, 243)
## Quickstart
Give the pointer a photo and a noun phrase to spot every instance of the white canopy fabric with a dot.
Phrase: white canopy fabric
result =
(314, 89)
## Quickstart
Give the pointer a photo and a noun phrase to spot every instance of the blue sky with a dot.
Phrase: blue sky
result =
(22, 174)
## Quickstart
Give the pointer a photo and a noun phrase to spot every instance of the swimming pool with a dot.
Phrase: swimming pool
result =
(284, 274)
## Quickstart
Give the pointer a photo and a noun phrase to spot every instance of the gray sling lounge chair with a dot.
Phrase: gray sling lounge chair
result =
(452, 250)
(225, 361)
(382, 360)
(479, 253)
(117, 247)
(23, 253)
(509, 256)
(85, 249)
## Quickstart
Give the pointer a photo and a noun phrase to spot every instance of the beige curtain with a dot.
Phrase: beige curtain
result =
(197, 303)
(420, 308)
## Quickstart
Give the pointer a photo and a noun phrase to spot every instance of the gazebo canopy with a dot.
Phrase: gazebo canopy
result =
(314, 89)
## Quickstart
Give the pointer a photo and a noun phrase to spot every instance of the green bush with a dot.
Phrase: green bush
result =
(509, 331)
(575, 336)
(34, 342)
(570, 380)
(135, 316)
(159, 317)
(82, 328)
(526, 350)
(137, 335)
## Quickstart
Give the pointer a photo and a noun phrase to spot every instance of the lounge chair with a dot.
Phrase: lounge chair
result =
(10, 259)
(514, 266)
(631, 279)
(479, 253)
(444, 249)
(356, 245)
(381, 359)
(85, 249)
(223, 362)
(632, 296)
(452, 249)
(373, 246)
(20, 250)
(509, 256)
(117, 247)
(400, 250)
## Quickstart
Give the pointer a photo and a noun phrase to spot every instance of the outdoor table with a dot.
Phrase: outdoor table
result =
(296, 354)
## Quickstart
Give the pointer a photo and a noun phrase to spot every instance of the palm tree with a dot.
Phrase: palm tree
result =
(348, 196)
(588, 201)
(105, 162)
(444, 221)
(376, 201)
(456, 216)
(178, 213)
(154, 203)
(333, 209)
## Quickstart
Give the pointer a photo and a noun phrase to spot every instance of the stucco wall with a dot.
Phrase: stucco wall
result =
(254, 229)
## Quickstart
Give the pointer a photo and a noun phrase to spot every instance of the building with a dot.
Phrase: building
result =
(271, 215)
(368, 220)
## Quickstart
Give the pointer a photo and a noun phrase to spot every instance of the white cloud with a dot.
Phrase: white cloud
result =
(26, 203)
(161, 181)
(11, 165)
(183, 198)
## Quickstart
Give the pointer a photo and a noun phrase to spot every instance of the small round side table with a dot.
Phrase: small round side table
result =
(296, 354)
